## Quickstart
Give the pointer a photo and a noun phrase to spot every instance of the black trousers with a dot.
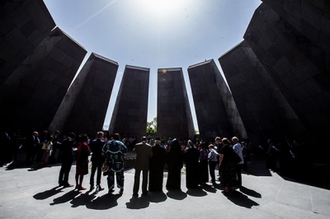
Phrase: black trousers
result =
(238, 169)
(96, 166)
(137, 181)
(212, 165)
(64, 173)
(31, 154)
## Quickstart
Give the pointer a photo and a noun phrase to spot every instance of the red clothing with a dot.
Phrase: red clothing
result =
(82, 158)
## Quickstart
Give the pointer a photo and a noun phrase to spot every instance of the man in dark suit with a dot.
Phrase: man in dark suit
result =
(97, 160)
(32, 144)
(66, 148)
(157, 163)
(143, 154)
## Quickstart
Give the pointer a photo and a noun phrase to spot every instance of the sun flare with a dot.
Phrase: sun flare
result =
(162, 6)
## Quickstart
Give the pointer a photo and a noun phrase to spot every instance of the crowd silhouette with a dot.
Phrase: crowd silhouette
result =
(207, 165)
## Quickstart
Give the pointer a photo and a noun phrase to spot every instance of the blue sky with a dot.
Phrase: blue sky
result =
(154, 33)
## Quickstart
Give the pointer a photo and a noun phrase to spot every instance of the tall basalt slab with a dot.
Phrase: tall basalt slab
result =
(84, 106)
(216, 111)
(298, 65)
(173, 110)
(131, 109)
(263, 108)
(23, 25)
(34, 91)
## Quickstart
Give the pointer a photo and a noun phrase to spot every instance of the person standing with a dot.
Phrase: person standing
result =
(191, 157)
(157, 163)
(97, 160)
(47, 147)
(66, 148)
(32, 147)
(213, 160)
(5, 144)
(114, 151)
(203, 164)
(43, 138)
(82, 162)
(143, 154)
(175, 163)
(56, 143)
(238, 150)
(272, 152)
(217, 146)
(227, 166)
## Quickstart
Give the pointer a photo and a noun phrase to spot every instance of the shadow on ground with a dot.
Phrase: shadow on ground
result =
(210, 188)
(240, 199)
(157, 197)
(250, 192)
(48, 193)
(176, 194)
(138, 202)
(65, 198)
(199, 192)
(91, 201)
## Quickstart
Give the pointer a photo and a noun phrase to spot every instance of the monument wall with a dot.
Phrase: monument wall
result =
(173, 110)
(309, 17)
(264, 110)
(213, 103)
(84, 106)
(131, 109)
(23, 25)
(298, 64)
(32, 94)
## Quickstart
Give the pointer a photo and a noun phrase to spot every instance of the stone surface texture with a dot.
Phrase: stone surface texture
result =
(310, 17)
(23, 25)
(34, 91)
(264, 110)
(213, 103)
(173, 110)
(298, 64)
(84, 106)
(131, 109)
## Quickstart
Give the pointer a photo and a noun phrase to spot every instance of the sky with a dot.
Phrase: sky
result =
(154, 34)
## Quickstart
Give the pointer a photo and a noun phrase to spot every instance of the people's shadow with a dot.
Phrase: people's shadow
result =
(209, 188)
(65, 198)
(219, 186)
(199, 192)
(83, 199)
(250, 192)
(176, 194)
(138, 202)
(48, 193)
(157, 197)
(103, 202)
(240, 199)
(13, 165)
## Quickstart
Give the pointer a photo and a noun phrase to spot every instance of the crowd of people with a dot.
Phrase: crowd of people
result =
(289, 158)
(199, 159)
(221, 160)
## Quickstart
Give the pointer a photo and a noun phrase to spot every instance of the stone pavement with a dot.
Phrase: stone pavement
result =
(34, 194)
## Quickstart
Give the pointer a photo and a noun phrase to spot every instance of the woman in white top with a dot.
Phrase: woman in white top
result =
(238, 149)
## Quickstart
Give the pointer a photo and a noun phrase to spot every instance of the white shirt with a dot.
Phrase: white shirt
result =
(238, 149)
(213, 155)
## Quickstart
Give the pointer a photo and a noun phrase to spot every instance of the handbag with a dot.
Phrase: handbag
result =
(44, 146)
(105, 168)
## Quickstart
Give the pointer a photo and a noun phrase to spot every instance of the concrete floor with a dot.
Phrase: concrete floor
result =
(34, 194)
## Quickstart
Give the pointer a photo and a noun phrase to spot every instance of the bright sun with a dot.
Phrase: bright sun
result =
(162, 6)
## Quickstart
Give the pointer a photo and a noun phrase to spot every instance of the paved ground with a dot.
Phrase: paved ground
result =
(34, 194)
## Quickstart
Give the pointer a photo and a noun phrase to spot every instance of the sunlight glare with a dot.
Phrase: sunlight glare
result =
(162, 6)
